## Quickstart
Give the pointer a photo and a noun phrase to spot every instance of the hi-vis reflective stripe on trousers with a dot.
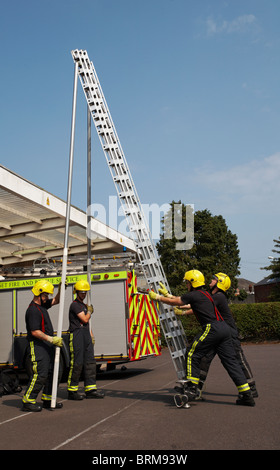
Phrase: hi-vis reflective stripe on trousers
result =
(190, 355)
(216, 337)
(243, 388)
(26, 396)
(71, 348)
(81, 356)
(42, 357)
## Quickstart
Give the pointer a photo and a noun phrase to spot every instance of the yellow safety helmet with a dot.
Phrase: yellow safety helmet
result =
(195, 277)
(42, 286)
(223, 281)
(81, 286)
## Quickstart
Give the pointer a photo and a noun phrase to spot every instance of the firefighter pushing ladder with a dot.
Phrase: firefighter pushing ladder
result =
(151, 264)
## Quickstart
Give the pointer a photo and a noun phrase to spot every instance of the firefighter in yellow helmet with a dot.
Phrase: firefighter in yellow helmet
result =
(41, 349)
(219, 284)
(220, 281)
(216, 336)
(81, 344)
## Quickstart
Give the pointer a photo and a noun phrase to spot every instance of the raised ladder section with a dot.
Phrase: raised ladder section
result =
(151, 264)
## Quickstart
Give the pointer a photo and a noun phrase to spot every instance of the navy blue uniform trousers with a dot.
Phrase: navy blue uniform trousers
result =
(42, 359)
(215, 338)
(81, 358)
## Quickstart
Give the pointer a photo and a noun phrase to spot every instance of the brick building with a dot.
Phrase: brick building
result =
(264, 288)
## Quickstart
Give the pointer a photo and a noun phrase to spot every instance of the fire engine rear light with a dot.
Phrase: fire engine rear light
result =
(106, 276)
(116, 275)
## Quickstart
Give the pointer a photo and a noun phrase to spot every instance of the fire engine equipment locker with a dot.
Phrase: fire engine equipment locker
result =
(125, 323)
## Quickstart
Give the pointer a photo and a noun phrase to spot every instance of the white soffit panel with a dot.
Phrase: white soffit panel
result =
(32, 225)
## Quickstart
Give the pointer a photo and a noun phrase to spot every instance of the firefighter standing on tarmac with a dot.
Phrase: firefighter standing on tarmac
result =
(81, 346)
(41, 340)
(219, 284)
(216, 336)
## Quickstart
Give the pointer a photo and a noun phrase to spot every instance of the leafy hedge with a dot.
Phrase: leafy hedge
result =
(255, 322)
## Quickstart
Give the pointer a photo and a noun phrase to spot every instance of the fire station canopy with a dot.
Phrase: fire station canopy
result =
(32, 225)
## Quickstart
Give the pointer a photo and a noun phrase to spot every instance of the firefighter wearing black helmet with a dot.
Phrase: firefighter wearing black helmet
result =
(41, 340)
(216, 336)
(81, 346)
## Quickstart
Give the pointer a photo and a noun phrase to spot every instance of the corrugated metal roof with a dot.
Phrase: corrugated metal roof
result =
(32, 224)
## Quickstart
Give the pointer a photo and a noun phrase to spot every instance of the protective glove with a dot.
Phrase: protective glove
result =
(163, 291)
(154, 296)
(93, 340)
(90, 309)
(178, 311)
(55, 340)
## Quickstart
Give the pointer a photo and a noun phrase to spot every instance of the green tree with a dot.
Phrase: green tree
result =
(275, 271)
(214, 249)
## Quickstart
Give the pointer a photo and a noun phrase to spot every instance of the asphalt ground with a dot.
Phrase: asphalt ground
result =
(138, 414)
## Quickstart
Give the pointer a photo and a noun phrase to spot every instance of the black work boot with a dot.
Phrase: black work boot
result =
(95, 394)
(179, 388)
(199, 396)
(254, 390)
(188, 388)
(245, 399)
(191, 390)
(75, 396)
(35, 407)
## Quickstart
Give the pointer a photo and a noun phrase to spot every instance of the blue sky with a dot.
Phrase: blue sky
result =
(193, 90)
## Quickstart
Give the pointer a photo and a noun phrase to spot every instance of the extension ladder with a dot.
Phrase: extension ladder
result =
(151, 264)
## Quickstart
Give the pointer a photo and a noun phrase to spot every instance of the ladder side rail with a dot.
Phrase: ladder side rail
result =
(117, 177)
(131, 206)
(103, 136)
(86, 70)
(114, 133)
(172, 329)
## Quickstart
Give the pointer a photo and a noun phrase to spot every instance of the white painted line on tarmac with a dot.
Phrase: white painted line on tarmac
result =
(94, 425)
(103, 420)
(30, 413)
(16, 417)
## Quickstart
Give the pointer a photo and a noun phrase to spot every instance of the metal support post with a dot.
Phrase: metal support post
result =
(65, 250)
(89, 206)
